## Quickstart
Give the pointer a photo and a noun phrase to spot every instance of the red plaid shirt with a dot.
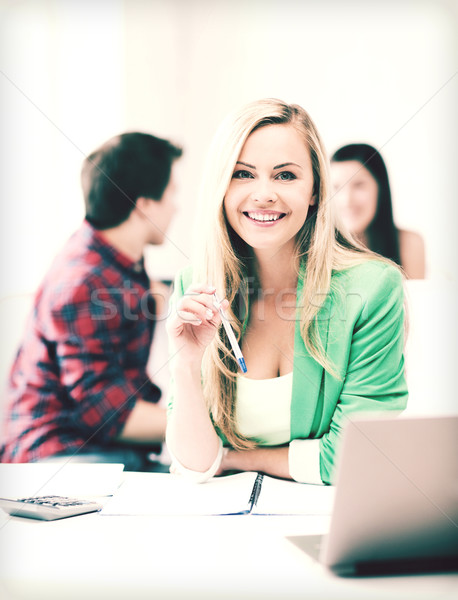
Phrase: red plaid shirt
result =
(82, 363)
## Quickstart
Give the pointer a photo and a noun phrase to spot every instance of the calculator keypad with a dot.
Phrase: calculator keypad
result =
(48, 508)
(53, 501)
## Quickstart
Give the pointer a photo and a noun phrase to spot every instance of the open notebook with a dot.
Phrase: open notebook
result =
(242, 493)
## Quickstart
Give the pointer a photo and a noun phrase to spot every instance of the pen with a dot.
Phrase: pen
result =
(231, 335)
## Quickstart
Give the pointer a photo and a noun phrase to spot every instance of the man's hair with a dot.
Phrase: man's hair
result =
(125, 168)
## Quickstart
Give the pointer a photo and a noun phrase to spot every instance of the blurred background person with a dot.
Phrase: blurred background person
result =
(79, 386)
(362, 193)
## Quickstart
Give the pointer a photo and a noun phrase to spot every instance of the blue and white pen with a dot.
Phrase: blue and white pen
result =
(231, 335)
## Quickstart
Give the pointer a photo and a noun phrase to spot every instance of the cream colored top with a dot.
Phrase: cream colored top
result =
(264, 409)
(264, 414)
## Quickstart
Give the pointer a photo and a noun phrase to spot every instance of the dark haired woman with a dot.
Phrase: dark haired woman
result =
(363, 197)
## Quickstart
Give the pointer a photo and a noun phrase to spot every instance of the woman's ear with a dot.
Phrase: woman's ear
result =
(313, 200)
(142, 203)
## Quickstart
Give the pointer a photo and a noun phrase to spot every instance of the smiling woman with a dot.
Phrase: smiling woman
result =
(264, 194)
(319, 318)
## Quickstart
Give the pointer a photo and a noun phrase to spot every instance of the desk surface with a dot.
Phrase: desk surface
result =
(243, 557)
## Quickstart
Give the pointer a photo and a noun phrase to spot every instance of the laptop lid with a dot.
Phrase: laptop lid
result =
(396, 502)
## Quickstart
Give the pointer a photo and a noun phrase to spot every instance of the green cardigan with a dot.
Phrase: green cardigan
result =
(361, 326)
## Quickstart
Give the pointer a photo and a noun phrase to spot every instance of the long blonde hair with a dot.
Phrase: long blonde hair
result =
(223, 261)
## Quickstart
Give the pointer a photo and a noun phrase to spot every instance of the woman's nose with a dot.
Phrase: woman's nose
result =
(264, 192)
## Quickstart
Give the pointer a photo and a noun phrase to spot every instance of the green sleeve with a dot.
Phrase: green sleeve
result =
(374, 379)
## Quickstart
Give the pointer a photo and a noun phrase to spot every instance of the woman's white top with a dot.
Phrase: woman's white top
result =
(263, 413)
(264, 409)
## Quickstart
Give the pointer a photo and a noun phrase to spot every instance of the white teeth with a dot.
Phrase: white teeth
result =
(263, 217)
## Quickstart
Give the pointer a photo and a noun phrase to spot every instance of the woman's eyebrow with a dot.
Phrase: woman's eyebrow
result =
(287, 164)
(239, 162)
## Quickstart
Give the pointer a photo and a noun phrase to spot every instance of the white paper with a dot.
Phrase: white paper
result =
(59, 478)
(167, 494)
(281, 497)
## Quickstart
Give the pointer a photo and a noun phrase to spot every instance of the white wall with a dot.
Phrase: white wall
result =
(61, 90)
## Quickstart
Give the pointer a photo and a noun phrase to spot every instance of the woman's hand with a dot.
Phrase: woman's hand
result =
(193, 325)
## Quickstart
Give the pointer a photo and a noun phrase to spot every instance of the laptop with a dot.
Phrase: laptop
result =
(396, 502)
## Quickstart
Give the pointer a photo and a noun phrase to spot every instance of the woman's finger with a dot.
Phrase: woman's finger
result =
(204, 299)
(188, 317)
(201, 288)
(200, 306)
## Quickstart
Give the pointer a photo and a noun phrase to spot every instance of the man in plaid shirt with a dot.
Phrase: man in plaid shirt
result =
(78, 385)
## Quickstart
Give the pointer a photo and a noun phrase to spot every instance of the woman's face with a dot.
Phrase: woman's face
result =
(270, 192)
(355, 192)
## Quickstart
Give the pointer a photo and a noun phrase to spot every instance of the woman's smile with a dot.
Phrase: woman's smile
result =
(264, 218)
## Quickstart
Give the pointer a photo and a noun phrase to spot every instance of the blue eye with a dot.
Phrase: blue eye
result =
(286, 176)
(242, 174)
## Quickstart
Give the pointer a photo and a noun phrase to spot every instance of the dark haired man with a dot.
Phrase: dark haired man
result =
(78, 386)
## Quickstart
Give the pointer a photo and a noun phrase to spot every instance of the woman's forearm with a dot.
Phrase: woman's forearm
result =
(191, 437)
(272, 461)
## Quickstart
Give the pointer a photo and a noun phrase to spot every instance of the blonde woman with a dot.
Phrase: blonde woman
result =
(319, 318)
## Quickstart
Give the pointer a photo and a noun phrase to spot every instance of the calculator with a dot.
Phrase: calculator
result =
(48, 508)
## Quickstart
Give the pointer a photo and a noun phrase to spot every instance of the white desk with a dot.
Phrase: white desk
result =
(169, 558)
